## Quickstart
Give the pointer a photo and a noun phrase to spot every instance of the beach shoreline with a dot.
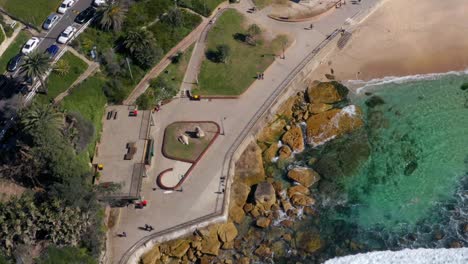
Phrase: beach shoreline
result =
(403, 38)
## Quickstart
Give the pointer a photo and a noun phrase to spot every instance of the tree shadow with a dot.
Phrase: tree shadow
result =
(240, 37)
(212, 55)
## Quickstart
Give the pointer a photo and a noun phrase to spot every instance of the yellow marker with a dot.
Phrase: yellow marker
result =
(100, 166)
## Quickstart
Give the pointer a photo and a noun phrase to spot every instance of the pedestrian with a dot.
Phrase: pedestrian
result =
(151, 228)
(263, 75)
(124, 234)
(311, 26)
(146, 227)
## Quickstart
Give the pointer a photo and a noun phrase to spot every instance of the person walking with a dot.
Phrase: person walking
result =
(124, 234)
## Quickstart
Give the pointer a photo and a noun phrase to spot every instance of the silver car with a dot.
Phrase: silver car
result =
(50, 21)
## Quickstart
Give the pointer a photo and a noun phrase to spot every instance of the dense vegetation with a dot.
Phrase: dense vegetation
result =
(149, 30)
(45, 155)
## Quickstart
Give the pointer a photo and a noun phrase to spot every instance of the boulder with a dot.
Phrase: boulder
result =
(248, 207)
(227, 232)
(332, 124)
(286, 205)
(249, 167)
(309, 241)
(244, 260)
(284, 153)
(152, 256)
(327, 93)
(286, 109)
(239, 193)
(206, 259)
(297, 189)
(302, 200)
(304, 176)
(263, 251)
(318, 108)
(272, 132)
(270, 153)
(236, 214)
(263, 222)
(178, 248)
(210, 244)
(228, 245)
(265, 195)
(294, 139)
(287, 223)
(255, 213)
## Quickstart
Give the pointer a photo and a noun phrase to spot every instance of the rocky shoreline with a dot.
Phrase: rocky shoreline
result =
(271, 196)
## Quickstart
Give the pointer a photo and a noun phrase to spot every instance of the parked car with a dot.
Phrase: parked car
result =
(66, 4)
(50, 21)
(14, 62)
(30, 46)
(66, 35)
(99, 2)
(86, 15)
(52, 50)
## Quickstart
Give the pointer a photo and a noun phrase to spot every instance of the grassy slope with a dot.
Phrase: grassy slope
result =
(2, 36)
(13, 49)
(244, 63)
(32, 11)
(174, 73)
(89, 100)
(57, 83)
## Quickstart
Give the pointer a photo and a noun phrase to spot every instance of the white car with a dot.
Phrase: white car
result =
(65, 5)
(99, 2)
(30, 45)
(66, 35)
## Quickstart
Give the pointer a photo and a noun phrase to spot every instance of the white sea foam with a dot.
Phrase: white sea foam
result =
(406, 256)
(402, 79)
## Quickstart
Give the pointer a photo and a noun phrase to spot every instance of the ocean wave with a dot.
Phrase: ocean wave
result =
(401, 79)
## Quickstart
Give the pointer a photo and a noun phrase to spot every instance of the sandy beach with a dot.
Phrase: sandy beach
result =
(404, 37)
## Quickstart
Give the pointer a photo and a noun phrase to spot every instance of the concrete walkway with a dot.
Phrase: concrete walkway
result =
(201, 194)
(7, 42)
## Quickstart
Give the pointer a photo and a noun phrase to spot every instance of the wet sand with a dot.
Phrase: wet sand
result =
(404, 37)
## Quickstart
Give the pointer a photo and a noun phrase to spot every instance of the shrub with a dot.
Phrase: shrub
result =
(114, 91)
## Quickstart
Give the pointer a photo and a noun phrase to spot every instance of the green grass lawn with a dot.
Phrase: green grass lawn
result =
(31, 11)
(202, 7)
(58, 83)
(173, 75)
(196, 146)
(13, 49)
(89, 100)
(2, 36)
(245, 61)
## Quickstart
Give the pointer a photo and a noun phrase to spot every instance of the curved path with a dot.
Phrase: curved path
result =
(202, 199)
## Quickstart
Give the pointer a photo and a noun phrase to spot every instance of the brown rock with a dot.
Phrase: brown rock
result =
(249, 167)
(319, 108)
(278, 186)
(265, 195)
(456, 244)
(270, 153)
(206, 259)
(244, 260)
(272, 132)
(327, 93)
(287, 223)
(191, 255)
(227, 232)
(263, 251)
(302, 200)
(286, 205)
(228, 245)
(263, 222)
(284, 153)
(178, 248)
(248, 207)
(239, 193)
(210, 244)
(152, 256)
(332, 124)
(309, 211)
(294, 139)
(287, 237)
(310, 241)
(286, 109)
(297, 189)
(304, 176)
(255, 213)
(236, 214)
(196, 245)
(275, 207)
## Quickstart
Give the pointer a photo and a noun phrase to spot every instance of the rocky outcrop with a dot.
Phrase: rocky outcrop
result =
(227, 232)
(304, 176)
(332, 124)
(263, 222)
(210, 244)
(310, 241)
(236, 214)
(298, 189)
(178, 248)
(302, 200)
(284, 153)
(270, 153)
(265, 195)
(294, 139)
(327, 93)
(239, 193)
(152, 256)
(318, 108)
(272, 132)
(249, 167)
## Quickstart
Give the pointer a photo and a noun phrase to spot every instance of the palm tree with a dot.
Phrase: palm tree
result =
(111, 16)
(41, 116)
(62, 67)
(35, 66)
(136, 40)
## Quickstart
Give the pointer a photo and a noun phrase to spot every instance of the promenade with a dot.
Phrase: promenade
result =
(201, 191)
